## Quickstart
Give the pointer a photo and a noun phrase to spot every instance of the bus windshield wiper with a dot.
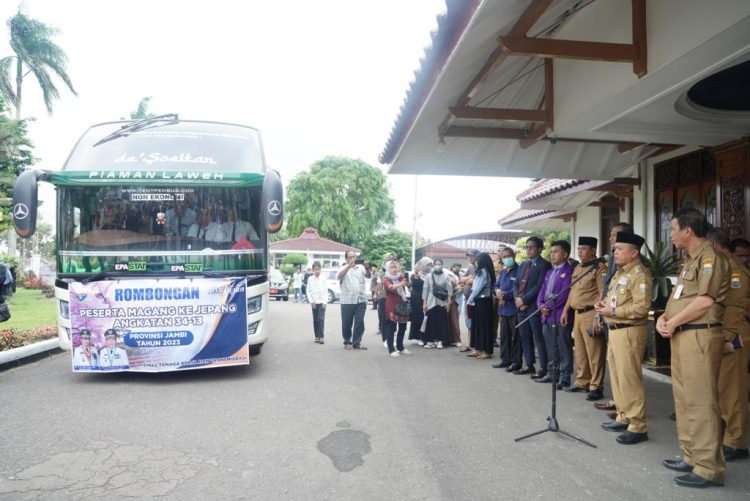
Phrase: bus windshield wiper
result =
(99, 275)
(139, 125)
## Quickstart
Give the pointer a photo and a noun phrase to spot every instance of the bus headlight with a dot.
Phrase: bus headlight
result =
(254, 304)
(65, 310)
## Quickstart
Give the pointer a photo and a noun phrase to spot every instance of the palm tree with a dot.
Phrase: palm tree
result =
(36, 53)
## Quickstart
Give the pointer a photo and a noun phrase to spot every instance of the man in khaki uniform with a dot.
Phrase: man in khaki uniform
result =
(590, 347)
(693, 322)
(625, 309)
(733, 383)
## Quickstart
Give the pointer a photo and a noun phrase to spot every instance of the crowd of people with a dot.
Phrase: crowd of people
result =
(565, 322)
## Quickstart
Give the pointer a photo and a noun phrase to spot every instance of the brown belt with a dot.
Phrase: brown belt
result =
(584, 310)
(695, 327)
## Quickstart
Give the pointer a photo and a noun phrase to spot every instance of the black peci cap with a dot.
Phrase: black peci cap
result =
(84, 332)
(110, 333)
(590, 241)
(630, 238)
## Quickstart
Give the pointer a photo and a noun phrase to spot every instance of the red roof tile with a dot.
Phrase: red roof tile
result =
(310, 240)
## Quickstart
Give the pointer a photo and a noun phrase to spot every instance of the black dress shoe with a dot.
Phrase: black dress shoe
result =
(501, 365)
(574, 389)
(614, 426)
(513, 368)
(539, 375)
(544, 379)
(693, 480)
(630, 438)
(732, 454)
(677, 465)
(595, 395)
(561, 385)
(527, 370)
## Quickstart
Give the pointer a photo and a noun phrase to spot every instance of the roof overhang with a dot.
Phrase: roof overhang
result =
(474, 119)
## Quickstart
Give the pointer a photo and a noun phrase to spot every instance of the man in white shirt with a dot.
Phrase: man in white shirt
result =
(112, 356)
(85, 356)
(353, 301)
(317, 296)
(205, 229)
(234, 229)
(179, 219)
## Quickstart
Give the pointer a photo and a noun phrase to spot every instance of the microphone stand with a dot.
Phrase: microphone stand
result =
(552, 423)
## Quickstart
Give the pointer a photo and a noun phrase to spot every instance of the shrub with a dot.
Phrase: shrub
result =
(12, 338)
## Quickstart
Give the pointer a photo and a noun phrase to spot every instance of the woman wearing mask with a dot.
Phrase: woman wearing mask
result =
(483, 319)
(394, 283)
(421, 269)
(436, 296)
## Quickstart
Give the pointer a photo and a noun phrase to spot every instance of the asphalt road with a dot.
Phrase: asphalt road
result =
(305, 421)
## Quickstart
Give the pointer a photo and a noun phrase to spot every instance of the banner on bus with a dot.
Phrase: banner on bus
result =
(161, 325)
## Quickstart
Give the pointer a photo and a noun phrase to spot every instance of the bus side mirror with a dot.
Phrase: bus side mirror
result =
(25, 203)
(273, 201)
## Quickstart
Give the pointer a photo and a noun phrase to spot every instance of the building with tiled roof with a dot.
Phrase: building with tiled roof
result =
(311, 244)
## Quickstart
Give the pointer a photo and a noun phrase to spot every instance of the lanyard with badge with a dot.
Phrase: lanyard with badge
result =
(622, 282)
(680, 284)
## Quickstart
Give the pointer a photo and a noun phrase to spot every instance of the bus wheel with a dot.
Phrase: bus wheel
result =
(331, 296)
(255, 349)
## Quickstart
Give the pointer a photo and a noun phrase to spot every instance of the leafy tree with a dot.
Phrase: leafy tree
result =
(280, 235)
(142, 111)
(393, 241)
(287, 270)
(15, 156)
(548, 237)
(345, 199)
(294, 259)
(36, 53)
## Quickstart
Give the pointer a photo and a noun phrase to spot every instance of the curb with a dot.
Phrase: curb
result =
(28, 351)
(662, 378)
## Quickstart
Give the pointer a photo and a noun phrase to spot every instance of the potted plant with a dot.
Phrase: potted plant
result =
(663, 263)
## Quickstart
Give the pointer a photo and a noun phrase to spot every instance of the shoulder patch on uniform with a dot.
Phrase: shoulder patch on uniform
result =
(708, 267)
(642, 287)
(735, 282)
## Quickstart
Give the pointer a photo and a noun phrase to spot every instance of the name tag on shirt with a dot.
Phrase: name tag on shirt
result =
(622, 281)
(678, 291)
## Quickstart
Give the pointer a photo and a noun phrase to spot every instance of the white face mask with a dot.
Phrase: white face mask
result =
(438, 269)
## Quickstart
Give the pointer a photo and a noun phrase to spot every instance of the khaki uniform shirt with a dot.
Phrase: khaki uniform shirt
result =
(630, 294)
(588, 291)
(736, 303)
(702, 273)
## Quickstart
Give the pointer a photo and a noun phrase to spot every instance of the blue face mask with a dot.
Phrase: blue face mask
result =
(508, 261)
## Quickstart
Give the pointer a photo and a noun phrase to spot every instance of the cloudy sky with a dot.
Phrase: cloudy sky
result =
(317, 77)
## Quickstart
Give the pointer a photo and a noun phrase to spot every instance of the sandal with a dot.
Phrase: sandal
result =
(473, 354)
(483, 356)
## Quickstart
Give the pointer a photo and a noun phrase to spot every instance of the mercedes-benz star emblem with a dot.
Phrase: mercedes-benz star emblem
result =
(20, 211)
(274, 207)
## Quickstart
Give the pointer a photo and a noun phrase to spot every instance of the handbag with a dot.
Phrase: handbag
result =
(4, 312)
(439, 291)
(403, 309)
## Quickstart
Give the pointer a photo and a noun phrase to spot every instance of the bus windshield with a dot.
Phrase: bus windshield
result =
(159, 229)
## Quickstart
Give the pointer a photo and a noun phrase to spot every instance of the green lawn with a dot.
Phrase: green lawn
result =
(30, 309)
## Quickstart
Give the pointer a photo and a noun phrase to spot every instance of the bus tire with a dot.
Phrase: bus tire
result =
(255, 349)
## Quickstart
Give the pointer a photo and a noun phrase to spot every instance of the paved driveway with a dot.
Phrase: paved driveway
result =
(305, 421)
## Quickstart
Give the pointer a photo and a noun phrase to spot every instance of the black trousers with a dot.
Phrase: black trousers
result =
(319, 320)
(381, 317)
(510, 341)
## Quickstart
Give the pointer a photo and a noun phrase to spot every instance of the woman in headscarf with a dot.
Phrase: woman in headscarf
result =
(394, 283)
(483, 320)
(455, 327)
(436, 296)
(421, 268)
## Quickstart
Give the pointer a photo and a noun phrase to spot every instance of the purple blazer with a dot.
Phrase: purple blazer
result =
(564, 276)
